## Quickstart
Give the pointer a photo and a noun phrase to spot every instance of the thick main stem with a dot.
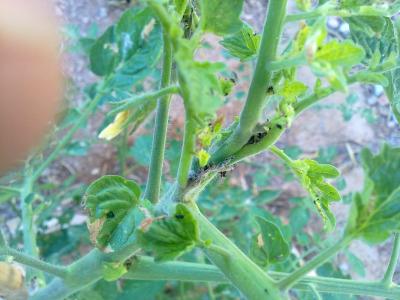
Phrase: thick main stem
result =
(152, 192)
(255, 102)
(244, 274)
(318, 260)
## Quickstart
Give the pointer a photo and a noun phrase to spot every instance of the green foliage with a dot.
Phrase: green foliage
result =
(242, 44)
(127, 51)
(221, 16)
(312, 176)
(202, 93)
(379, 37)
(113, 271)
(375, 211)
(268, 246)
(110, 201)
(170, 237)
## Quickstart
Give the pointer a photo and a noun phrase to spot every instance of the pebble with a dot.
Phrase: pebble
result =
(378, 90)
(344, 29)
(333, 22)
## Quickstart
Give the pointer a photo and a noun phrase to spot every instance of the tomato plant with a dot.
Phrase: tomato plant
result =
(138, 233)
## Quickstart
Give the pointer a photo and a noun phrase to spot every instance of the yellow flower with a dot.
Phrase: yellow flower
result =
(115, 128)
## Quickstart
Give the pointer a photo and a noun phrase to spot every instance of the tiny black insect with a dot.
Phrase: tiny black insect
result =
(110, 215)
(179, 216)
(279, 126)
(251, 140)
(270, 90)
(222, 174)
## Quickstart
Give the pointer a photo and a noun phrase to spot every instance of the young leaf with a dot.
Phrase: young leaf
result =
(345, 54)
(170, 237)
(110, 201)
(221, 16)
(113, 271)
(242, 44)
(268, 246)
(312, 175)
(375, 212)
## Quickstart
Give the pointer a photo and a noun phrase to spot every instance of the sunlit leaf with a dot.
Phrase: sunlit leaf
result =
(242, 44)
(221, 16)
(170, 237)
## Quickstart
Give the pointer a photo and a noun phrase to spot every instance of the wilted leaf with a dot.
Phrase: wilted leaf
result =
(12, 282)
(221, 16)
(268, 246)
(110, 201)
(170, 237)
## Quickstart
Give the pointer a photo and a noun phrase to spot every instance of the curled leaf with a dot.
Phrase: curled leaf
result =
(110, 201)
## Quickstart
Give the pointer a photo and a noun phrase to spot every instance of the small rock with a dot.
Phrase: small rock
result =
(372, 100)
(344, 29)
(378, 90)
(333, 22)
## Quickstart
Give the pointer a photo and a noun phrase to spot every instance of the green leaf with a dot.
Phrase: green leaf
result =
(242, 44)
(113, 271)
(345, 54)
(127, 52)
(201, 88)
(110, 201)
(266, 196)
(170, 237)
(355, 263)
(379, 38)
(268, 246)
(375, 212)
(290, 90)
(312, 177)
(221, 16)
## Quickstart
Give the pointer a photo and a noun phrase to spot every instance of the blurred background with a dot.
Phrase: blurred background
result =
(331, 132)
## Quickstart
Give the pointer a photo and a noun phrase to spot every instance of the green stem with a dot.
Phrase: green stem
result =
(145, 98)
(249, 278)
(66, 139)
(255, 102)
(302, 16)
(188, 149)
(289, 62)
(28, 226)
(144, 268)
(34, 263)
(318, 260)
(388, 277)
(152, 192)
(9, 189)
(281, 154)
